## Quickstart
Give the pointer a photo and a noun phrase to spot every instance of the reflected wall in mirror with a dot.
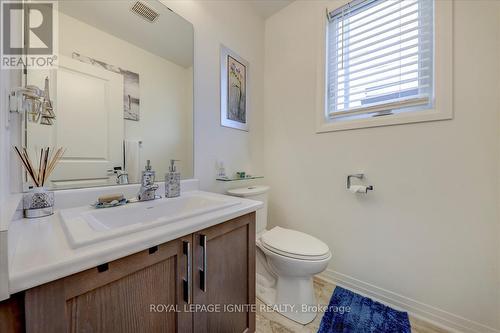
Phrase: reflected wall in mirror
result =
(122, 93)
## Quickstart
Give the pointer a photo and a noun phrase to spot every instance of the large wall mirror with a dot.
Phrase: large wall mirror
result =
(122, 93)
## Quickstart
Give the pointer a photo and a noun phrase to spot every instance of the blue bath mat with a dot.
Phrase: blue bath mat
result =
(349, 312)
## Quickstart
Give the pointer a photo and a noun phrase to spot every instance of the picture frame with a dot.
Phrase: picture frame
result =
(234, 90)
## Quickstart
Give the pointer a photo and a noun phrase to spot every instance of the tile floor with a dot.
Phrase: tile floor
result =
(273, 322)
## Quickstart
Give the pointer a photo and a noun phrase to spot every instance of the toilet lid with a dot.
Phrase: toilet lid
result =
(294, 244)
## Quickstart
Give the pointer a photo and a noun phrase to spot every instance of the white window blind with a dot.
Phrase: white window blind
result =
(379, 57)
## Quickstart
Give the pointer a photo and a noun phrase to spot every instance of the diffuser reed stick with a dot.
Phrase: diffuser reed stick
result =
(55, 159)
(46, 164)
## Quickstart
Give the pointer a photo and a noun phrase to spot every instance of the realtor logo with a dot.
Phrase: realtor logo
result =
(29, 34)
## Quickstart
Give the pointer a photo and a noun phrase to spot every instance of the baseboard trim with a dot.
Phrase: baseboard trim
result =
(433, 315)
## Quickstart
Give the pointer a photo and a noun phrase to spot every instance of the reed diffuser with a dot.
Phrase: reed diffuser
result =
(39, 202)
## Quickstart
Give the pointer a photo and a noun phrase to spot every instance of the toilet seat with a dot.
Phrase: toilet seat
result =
(294, 244)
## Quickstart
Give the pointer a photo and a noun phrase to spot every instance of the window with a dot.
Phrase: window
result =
(380, 57)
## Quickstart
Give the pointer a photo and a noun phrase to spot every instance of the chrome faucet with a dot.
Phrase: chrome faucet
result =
(148, 186)
(121, 177)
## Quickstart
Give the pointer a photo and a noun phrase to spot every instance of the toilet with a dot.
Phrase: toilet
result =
(286, 262)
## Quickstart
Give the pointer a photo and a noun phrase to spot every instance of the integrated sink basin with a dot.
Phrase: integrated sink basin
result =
(86, 225)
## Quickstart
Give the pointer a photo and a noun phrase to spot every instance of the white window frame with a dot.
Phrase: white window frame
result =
(443, 77)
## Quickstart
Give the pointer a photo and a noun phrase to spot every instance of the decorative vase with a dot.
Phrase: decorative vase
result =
(38, 203)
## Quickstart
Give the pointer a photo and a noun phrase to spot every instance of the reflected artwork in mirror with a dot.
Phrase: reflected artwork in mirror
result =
(122, 93)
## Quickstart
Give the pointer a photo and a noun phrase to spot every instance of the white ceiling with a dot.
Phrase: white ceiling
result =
(170, 36)
(266, 8)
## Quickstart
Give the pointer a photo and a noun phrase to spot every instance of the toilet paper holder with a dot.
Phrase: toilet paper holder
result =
(359, 176)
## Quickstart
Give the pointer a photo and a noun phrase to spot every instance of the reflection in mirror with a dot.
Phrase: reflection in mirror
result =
(122, 93)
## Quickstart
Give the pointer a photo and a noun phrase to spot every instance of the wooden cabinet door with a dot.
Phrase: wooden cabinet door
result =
(224, 277)
(137, 293)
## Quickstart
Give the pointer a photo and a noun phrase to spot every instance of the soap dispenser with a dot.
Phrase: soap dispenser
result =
(148, 186)
(172, 181)
(148, 174)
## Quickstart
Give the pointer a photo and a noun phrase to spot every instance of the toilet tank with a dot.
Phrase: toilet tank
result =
(258, 193)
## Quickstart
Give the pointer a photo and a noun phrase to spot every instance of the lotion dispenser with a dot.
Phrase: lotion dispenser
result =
(172, 181)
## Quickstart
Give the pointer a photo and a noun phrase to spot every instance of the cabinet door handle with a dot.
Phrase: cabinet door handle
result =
(203, 271)
(103, 268)
(186, 282)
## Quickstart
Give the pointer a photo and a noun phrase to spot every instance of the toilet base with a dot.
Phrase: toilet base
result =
(290, 296)
(298, 294)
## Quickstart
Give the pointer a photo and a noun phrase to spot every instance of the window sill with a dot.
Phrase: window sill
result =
(389, 120)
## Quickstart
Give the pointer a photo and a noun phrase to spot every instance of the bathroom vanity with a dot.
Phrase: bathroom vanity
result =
(166, 282)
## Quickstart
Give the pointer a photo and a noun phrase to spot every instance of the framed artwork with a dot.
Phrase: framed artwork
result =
(233, 90)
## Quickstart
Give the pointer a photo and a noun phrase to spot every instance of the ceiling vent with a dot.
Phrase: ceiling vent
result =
(145, 11)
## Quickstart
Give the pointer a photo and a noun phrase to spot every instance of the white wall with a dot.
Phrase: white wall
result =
(234, 24)
(430, 231)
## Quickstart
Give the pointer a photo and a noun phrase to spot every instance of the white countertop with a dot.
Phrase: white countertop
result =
(39, 251)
